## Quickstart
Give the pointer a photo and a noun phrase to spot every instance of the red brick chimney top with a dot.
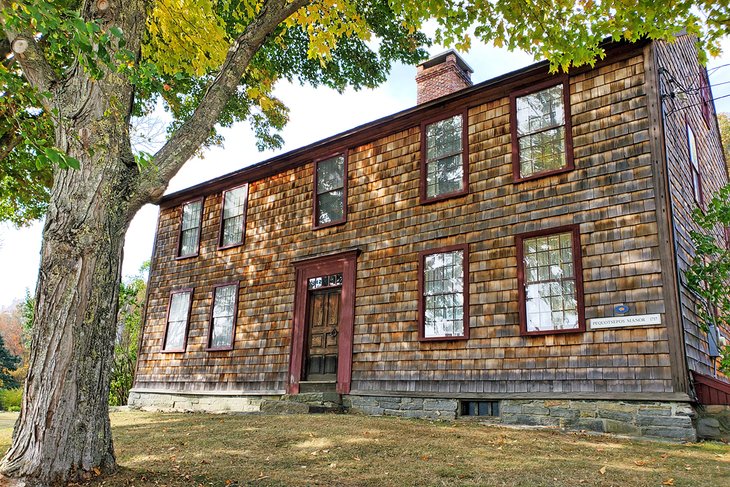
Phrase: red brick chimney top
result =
(442, 75)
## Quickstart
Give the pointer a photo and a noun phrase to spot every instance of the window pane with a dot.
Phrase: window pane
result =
(330, 206)
(692, 148)
(189, 241)
(550, 292)
(223, 316)
(443, 138)
(235, 202)
(330, 174)
(177, 321)
(444, 176)
(443, 288)
(543, 151)
(191, 215)
(541, 110)
(232, 231)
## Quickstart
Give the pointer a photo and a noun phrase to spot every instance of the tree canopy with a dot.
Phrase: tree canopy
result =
(333, 43)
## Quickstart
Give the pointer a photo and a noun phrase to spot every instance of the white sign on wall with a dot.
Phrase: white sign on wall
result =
(623, 321)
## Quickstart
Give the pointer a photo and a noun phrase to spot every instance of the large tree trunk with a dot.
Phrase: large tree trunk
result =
(63, 432)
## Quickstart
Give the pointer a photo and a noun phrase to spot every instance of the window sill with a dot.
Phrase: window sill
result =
(330, 224)
(580, 329)
(183, 257)
(182, 350)
(219, 349)
(443, 339)
(230, 246)
(443, 197)
(541, 175)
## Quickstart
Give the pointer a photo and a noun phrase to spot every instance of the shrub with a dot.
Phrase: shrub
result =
(10, 399)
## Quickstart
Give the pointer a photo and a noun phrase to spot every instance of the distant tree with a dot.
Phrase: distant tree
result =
(709, 274)
(132, 294)
(8, 363)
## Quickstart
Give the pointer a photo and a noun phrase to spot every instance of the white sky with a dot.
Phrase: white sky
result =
(314, 115)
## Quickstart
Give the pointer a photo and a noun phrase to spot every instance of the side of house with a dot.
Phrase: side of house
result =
(500, 250)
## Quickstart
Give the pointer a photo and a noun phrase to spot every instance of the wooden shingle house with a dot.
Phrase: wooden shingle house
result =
(512, 249)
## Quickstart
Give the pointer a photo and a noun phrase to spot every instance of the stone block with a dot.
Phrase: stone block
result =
(440, 405)
(559, 412)
(554, 404)
(535, 410)
(411, 403)
(620, 428)
(616, 415)
(671, 421)
(687, 434)
(684, 410)
(709, 428)
(658, 410)
(510, 407)
(284, 407)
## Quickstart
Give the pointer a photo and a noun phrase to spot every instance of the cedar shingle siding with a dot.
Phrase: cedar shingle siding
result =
(612, 196)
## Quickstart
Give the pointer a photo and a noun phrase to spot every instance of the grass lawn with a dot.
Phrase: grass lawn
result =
(232, 450)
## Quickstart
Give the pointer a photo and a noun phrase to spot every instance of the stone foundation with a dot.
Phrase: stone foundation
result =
(164, 401)
(670, 420)
(676, 421)
(713, 422)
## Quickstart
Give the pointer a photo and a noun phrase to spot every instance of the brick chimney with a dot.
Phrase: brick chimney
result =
(442, 75)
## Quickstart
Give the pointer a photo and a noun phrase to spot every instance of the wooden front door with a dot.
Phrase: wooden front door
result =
(323, 332)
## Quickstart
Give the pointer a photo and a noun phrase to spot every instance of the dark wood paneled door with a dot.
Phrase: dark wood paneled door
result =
(323, 329)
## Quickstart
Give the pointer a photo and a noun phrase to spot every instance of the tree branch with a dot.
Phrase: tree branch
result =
(191, 134)
(25, 49)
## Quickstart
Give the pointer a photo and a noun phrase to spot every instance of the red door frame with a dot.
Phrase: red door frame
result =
(346, 263)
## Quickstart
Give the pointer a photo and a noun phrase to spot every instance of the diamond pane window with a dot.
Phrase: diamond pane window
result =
(177, 321)
(330, 191)
(444, 157)
(223, 317)
(190, 228)
(233, 220)
(444, 287)
(333, 280)
(550, 282)
(540, 129)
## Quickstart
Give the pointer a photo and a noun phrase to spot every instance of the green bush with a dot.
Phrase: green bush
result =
(10, 399)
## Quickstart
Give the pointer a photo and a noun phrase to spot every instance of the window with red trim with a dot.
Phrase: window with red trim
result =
(233, 217)
(444, 164)
(694, 167)
(541, 131)
(444, 289)
(178, 317)
(550, 281)
(223, 317)
(330, 191)
(192, 214)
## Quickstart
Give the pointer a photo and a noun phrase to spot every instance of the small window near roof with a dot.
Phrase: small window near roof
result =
(190, 228)
(177, 321)
(444, 168)
(444, 287)
(233, 218)
(694, 167)
(541, 132)
(550, 282)
(330, 193)
(223, 317)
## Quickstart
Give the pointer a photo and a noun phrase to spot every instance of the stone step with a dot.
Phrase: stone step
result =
(293, 407)
(317, 386)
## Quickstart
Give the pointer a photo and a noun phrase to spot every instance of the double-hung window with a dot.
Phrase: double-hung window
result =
(541, 132)
(330, 195)
(444, 293)
(233, 217)
(192, 213)
(550, 281)
(444, 159)
(694, 167)
(223, 317)
(178, 316)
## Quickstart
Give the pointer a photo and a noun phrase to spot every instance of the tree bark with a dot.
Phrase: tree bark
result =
(63, 432)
